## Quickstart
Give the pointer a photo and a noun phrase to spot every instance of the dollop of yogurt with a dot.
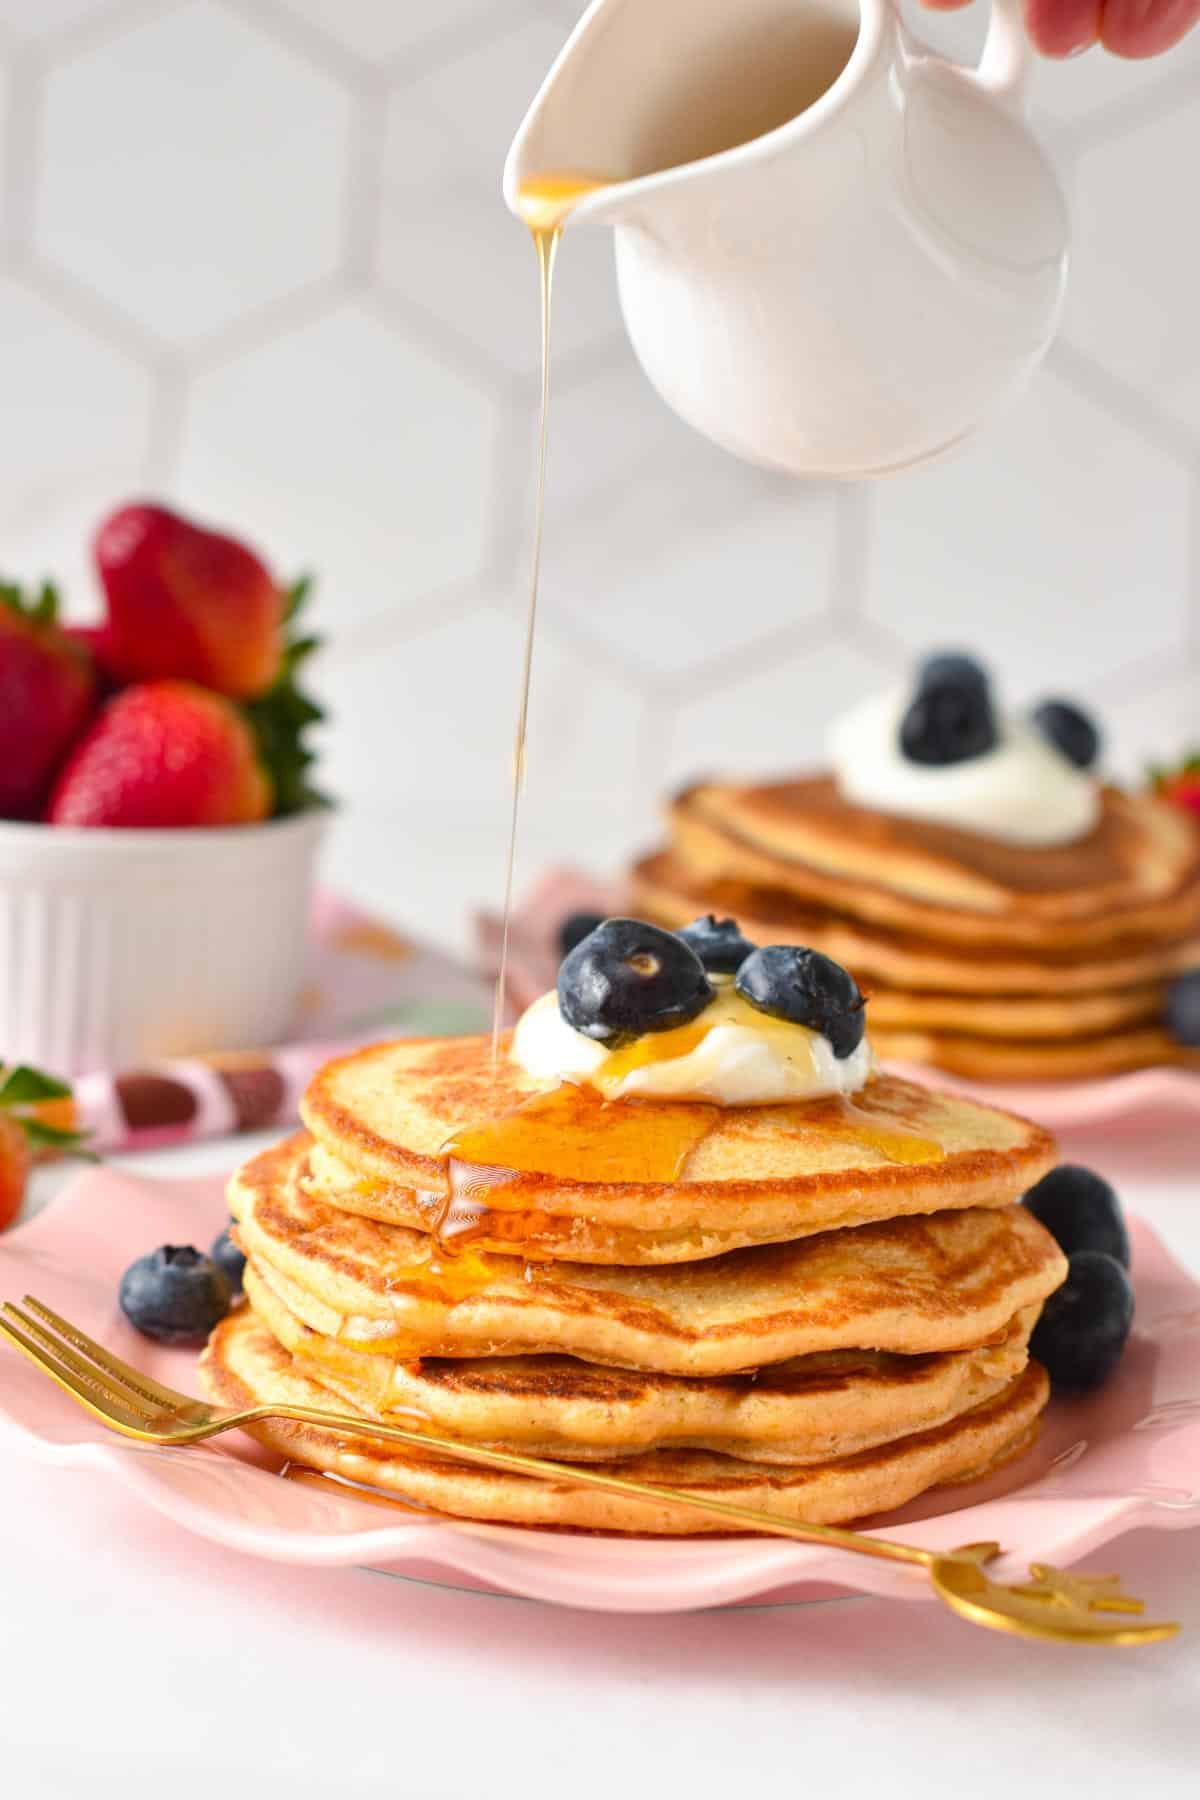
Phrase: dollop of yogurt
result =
(1024, 791)
(731, 1054)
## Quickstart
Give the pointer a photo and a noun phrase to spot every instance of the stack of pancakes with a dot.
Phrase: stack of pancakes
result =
(825, 1312)
(993, 960)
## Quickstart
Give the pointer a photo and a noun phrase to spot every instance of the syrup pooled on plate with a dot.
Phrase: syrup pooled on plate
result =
(545, 202)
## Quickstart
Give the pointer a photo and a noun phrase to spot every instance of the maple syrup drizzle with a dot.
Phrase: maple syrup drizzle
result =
(568, 1132)
(544, 203)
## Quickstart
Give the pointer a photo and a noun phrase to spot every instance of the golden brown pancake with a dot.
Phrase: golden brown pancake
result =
(382, 1118)
(1135, 877)
(807, 1410)
(665, 890)
(948, 1281)
(244, 1365)
(1008, 1060)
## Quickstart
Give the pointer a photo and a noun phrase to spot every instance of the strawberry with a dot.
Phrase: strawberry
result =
(164, 753)
(186, 604)
(1180, 785)
(36, 1114)
(47, 692)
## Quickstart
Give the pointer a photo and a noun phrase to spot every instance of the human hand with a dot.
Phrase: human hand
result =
(1131, 28)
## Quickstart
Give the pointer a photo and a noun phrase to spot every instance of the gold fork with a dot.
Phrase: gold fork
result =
(1067, 1608)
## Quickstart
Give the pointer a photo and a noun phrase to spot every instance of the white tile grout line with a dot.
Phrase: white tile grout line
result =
(1091, 378)
(22, 146)
(321, 49)
(264, 324)
(363, 187)
(1120, 117)
(92, 312)
(404, 316)
(854, 520)
(95, 29)
(472, 32)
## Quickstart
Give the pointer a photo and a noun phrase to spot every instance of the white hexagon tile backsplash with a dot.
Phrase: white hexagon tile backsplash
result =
(253, 256)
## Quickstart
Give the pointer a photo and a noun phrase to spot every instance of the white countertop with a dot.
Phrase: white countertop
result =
(136, 1661)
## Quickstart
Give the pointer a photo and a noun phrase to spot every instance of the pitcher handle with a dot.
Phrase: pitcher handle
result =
(1007, 60)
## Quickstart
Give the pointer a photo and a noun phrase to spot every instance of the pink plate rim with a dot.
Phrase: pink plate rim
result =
(1128, 1457)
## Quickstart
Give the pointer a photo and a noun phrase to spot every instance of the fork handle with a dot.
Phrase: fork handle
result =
(543, 1469)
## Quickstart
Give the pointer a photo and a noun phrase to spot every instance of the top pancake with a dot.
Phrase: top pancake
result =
(1135, 876)
(382, 1118)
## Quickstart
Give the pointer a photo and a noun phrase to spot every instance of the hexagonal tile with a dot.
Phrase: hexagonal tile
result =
(606, 424)
(444, 222)
(1156, 723)
(776, 719)
(693, 559)
(80, 413)
(1135, 288)
(380, 29)
(1057, 544)
(484, 94)
(421, 748)
(193, 171)
(343, 448)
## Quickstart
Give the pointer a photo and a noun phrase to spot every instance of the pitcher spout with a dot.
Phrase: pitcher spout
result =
(646, 94)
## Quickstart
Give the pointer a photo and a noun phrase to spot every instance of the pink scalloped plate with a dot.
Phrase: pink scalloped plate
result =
(1128, 1457)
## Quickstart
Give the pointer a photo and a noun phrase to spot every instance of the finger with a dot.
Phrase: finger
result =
(1140, 28)
(1063, 27)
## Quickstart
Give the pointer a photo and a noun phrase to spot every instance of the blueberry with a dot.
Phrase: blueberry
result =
(627, 978)
(230, 1260)
(1081, 1212)
(574, 928)
(718, 943)
(950, 668)
(174, 1295)
(1069, 730)
(951, 718)
(1082, 1331)
(1182, 1012)
(808, 989)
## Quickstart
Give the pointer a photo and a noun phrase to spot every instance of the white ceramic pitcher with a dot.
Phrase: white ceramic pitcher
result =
(856, 287)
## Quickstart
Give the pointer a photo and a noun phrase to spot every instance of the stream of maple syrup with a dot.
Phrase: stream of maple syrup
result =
(544, 203)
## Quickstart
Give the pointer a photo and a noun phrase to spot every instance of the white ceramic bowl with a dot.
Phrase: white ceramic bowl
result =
(119, 946)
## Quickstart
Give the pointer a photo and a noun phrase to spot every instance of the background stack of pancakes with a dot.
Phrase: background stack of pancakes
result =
(994, 960)
(800, 1321)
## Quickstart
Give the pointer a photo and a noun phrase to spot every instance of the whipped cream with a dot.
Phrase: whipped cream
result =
(1025, 791)
(731, 1053)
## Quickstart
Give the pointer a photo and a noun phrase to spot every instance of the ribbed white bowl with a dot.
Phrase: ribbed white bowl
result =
(118, 946)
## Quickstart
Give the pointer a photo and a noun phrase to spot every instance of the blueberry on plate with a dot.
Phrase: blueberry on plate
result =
(574, 928)
(627, 978)
(1084, 1326)
(1070, 730)
(174, 1295)
(1182, 1012)
(230, 1260)
(805, 988)
(718, 943)
(1080, 1211)
(950, 718)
